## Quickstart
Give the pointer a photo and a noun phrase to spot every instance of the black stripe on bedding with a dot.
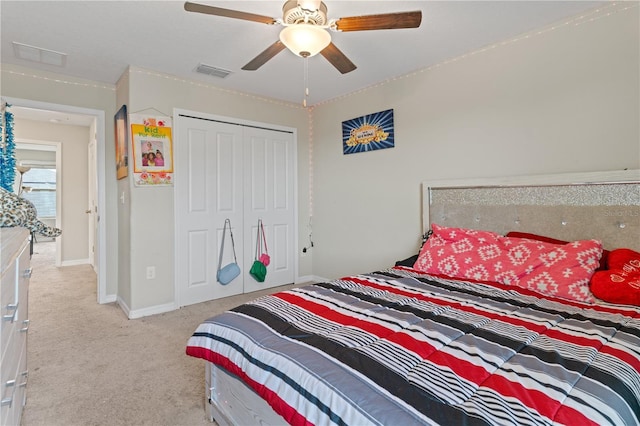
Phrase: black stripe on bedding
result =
(396, 385)
(281, 375)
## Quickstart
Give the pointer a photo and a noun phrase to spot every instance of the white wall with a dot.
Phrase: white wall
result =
(123, 203)
(25, 83)
(152, 207)
(565, 100)
(562, 101)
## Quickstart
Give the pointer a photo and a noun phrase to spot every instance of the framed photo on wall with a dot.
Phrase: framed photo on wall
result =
(122, 143)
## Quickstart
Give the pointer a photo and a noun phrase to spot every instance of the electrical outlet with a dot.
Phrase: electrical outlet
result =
(151, 272)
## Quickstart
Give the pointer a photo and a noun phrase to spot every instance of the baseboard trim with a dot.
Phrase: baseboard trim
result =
(75, 262)
(310, 278)
(109, 298)
(151, 310)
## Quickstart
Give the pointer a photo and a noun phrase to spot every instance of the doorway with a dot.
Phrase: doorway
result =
(39, 163)
(95, 120)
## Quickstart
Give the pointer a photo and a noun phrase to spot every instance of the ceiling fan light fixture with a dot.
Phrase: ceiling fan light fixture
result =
(305, 40)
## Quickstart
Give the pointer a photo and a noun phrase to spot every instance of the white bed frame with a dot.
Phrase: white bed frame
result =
(229, 402)
(601, 205)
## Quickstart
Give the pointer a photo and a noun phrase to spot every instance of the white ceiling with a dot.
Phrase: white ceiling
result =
(54, 117)
(102, 38)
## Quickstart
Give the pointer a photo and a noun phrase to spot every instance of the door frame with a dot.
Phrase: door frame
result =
(92, 207)
(177, 112)
(100, 136)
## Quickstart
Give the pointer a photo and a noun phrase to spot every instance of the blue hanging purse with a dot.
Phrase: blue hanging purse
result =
(229, 272)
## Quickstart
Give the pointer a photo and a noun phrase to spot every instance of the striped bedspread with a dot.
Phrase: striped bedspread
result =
(398, 347)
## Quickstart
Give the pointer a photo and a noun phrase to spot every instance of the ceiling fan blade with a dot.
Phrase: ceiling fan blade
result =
(337, 59)
(385, 21)
(263, 57)
(228, 13)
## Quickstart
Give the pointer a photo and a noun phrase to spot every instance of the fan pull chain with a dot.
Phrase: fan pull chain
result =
(306, 81)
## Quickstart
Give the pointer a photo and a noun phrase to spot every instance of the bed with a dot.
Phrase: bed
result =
(418, 346)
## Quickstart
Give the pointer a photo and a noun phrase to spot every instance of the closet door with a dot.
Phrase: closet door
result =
(243, 173)
(208, 190)
(269, 176)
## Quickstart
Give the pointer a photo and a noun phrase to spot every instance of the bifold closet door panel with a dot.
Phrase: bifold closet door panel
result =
(269, 162)
(208, 190)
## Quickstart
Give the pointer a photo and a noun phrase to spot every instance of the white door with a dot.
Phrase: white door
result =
(208, 188)
(268, 193)
(228, 171)
(92, 207)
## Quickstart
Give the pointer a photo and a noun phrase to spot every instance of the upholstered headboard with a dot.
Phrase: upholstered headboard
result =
(576, 206)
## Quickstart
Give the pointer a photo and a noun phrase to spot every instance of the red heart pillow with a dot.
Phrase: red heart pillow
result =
(625, 259)
(617, 286)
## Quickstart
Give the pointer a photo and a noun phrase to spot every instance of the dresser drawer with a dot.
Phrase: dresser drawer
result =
(14, 324)
(24, 275)
(13, 385)
(9, 379)
(13, 297)
(8, 304)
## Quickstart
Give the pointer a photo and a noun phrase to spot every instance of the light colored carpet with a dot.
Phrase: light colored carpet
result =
(90, 365)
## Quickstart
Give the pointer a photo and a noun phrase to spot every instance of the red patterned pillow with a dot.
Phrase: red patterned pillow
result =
(561, 270)
(517, 234)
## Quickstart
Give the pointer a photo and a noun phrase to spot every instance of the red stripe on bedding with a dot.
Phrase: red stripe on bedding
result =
(537, 400)
(569, 416)
(463, 368)
(582, 341)
(537, 328)
(331, 315)
(272, 398)
(622, 355)
(419, 347)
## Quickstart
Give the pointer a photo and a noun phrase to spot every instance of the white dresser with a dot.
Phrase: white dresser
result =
(15, 260)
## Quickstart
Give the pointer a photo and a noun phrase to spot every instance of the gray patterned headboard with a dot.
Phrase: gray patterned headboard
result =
(576, 206)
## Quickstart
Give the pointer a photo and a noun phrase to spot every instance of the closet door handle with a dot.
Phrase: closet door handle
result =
(26, 326)
(24, 374)
(9, 400)
(27, 273)
(10, 307)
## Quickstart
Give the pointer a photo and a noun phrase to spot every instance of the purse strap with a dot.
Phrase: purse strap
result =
(233, 245)
(258, 245)
(264, 238)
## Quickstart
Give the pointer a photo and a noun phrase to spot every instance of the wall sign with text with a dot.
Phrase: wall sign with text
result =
(152, 150)
(368, 133)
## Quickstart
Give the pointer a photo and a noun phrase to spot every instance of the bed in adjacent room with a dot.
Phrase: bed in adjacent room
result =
(499, 319)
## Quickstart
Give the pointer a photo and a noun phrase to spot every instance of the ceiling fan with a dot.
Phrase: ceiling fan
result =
(305, 29)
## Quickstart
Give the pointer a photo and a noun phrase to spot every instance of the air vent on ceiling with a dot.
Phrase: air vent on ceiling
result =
(213, 71)
(38, 54)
